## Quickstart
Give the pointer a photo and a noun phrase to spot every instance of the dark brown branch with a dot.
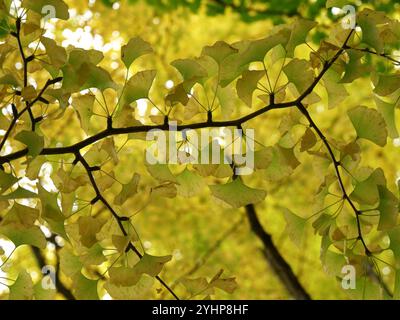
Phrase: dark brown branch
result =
(59, 285)
(25, 62)
(336, 164)
(119, 219)
(275, 259)
(383, 55)
(18, 115)
(110, 131)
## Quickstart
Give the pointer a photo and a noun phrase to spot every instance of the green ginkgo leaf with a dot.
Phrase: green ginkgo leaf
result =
(32, 140)
(369, 124)
(246, 85)
(303, 79)
(135, 48)
(22, 288)
(57, 54)
(387, 84)
(237, 194)
(6, 181)
(190, 69)
(366, 190)
(295, 227)
(189, 183)
(388, 112)
(300, 29)
(48, 7)
(388, 208)
(128, 190)
(219, 51)
(138, 86)
(21, 235)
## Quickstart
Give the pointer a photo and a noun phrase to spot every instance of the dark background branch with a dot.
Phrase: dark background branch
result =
(281, 268)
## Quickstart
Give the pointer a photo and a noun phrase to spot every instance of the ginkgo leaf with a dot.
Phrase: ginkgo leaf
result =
(197, 285)
(121, 242)
(388, 208)
(246, 85)
(228, 285)
(44, 7)
(93, 256)
(50, 211)
(189, 183)
(366, 191)
(161, 172)
(369, 20)
(95, 77)
(20, 235)
(167, 189)
(219, 51)
(57, 54)
(180, 93)
(387, 84)
(369, 124)
(151, 265)
(303, 79)
(84, 107)
(32, 140)
(226, 102)
(66, 183)
(19, 193)
(237, 194)
(6, 181)
(22, 288)
(300, 29)
(308, 140)
(135, 292)
(295, 227)
(190, 69)
(388, 112)
(84, 288)
(135, 48)
(282, 163)
(322, 224)
(354, 68)
(128, 190)
(88, 229)
(124, 276)
(34, 166)
(336, 91)
(19, 214)
(69, 263)
(138, 86)
(263, 158)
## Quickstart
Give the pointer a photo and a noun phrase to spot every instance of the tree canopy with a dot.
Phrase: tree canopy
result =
(312, 86)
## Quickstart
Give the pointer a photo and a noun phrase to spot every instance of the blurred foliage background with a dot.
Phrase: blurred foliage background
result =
(190, 228)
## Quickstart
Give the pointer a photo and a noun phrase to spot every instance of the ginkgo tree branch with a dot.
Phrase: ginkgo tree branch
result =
(99, 197)
(17, 115)
(281, 268)
(111, 131)
(60, 287)
(358, 213)
(336, 163)
(383, 54)
(25, 61)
